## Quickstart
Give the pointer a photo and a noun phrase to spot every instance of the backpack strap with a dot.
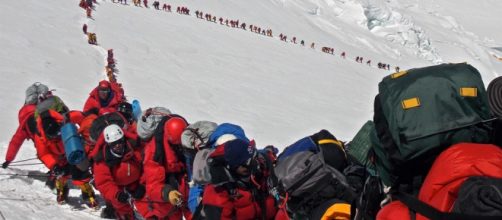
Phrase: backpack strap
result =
(160, 154)
(434, 214)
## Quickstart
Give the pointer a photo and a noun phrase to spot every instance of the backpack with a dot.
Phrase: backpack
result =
(201, 173)
(223, 129)
(304, 144)
(149, 120)
(51, 103)
(334, 150)
(420, 112)
(309, 172)
(308, 181)
(359, 147)
(34, 92)
(196, 135)
(209, 165)
(102, 121)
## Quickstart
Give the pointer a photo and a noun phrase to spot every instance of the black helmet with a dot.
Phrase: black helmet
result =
(125, 108)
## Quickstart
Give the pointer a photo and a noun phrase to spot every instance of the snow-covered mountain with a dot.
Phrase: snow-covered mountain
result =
(277, 91)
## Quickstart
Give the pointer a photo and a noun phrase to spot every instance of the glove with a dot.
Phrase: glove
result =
(171, 195)
(122, 197)
(175, 197)
(58, 171)
(139, 192)
(5, 164)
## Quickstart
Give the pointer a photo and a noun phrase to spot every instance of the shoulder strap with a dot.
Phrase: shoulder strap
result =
(434, 214)
(160, 154)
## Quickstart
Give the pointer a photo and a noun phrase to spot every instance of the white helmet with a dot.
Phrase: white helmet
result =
(113, 133)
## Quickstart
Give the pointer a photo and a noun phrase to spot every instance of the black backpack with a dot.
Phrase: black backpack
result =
(308, 178)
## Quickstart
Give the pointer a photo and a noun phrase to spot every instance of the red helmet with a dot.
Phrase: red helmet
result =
(173, 129)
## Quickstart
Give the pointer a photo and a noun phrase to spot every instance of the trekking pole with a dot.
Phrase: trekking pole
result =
(28, 175)
(12, 199)
(25, 164)
(17, 161)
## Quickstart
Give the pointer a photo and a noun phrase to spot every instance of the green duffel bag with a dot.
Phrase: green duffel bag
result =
(420, 112)
(359, 147)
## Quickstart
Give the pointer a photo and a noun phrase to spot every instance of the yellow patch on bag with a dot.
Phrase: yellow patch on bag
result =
(398, 74)
(411, 103)
(469, 92)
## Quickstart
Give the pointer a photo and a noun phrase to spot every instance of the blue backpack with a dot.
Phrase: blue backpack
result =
(304, 144)
(226, 128)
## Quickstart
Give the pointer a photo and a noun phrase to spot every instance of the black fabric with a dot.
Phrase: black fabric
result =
(108, 212)
(326, 189)
(356, 176)
(122, 197)
(212, 212)
(61, 170)
(101, 122)
(77, 174)
(5, 164)
(139, 192)
(112, 160)
(480, 196)
(160, 154)
(32, 125)
(218, 170)
(495, 96)
(92, 111)
(497, 132)
(51, 127)
(198, 215)
(369, 199)
(333, 154)
(125, 108)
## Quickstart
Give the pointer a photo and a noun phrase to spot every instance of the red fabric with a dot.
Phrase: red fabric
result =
(449, 171)
(22, 132)
(84, 130)
(110, 180)
(50, 152)
(93, 100)
(244, 206)
(395, 211)
(155, 176)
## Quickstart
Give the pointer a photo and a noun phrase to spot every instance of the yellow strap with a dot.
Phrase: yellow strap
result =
(338, 211)
(330, 141)
(411, 103)
(469, 92)
(398, 74)
(333, 141)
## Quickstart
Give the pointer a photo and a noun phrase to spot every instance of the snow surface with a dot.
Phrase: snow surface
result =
(277, 91)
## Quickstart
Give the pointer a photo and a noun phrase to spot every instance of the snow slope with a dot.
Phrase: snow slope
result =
(277, 91)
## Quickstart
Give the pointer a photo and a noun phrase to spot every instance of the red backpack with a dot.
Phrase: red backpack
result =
(441, 186)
